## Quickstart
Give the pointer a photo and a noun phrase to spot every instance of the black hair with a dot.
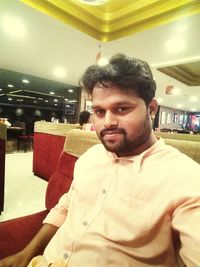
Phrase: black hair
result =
(84, 117)
(126, 73)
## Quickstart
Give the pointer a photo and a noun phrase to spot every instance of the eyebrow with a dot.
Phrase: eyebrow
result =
(115, 104)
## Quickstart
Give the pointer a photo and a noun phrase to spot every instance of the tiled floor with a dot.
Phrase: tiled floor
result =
(24, 192)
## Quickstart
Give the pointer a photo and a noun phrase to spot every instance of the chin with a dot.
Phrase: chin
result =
(110, 148)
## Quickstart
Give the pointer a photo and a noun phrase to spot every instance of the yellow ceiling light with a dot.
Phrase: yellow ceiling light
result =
(59, 72)
(115, 19)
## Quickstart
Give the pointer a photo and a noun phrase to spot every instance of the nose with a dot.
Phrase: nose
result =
(110, 120)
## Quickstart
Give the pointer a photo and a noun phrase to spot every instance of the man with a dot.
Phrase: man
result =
(134, 201)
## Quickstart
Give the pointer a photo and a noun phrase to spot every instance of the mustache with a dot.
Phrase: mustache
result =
(112, 131)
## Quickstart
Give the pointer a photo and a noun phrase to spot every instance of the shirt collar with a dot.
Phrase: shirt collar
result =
(138, 160)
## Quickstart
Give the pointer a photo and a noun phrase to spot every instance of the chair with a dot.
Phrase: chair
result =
(25, 141)
(17, 233)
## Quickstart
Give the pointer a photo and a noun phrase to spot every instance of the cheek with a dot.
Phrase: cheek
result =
(133, 123)
(98, 124)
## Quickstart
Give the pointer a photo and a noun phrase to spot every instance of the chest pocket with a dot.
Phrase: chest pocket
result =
(128, 220)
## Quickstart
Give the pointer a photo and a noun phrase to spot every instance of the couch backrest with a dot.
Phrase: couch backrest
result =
(79, 141)
(179, 136)
(76, 143)
(190, 148)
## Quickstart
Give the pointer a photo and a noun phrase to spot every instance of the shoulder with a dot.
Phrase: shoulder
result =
(96, 151)
(91, 161)
(96, 155)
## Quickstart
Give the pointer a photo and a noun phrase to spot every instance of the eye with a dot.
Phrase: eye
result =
(121, 110)
(99, 112)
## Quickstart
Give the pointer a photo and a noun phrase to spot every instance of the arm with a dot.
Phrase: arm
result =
(34, 248)
(186, 220)
(52, 222)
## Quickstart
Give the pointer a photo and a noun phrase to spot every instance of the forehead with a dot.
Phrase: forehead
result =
(113, 93)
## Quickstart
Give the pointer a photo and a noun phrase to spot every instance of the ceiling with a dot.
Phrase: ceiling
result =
(67, 35)
(23, 89)
(115, 19)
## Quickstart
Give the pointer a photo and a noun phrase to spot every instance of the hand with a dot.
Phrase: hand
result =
(17, 260)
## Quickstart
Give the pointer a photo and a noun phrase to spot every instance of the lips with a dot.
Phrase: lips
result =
(111, 132)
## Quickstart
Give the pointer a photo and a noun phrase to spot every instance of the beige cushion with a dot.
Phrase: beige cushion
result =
(190, 148)
(179, 136)
(60, 129)
(78, 141)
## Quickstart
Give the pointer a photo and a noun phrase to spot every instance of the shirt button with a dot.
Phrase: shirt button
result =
(65, 255)
(103, 191)
(84, 223)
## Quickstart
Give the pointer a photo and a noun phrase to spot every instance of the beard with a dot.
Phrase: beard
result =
(128, 144)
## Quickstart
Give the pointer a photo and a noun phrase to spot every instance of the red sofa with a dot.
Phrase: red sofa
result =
(49, 139)
(16, 233)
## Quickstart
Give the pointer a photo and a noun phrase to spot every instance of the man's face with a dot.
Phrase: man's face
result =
(122, 120)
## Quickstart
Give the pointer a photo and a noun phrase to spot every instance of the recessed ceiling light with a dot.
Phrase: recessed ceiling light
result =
(52, 93)
(55, 100)
(1, 89)
(10, 85)
(25, 81)
(93, 2)
(72, 101)
(66, 99)
(10, 99)
(175, 45)
(160, 100)
(46, 101)
(55, 104)
(13, 26)
(59, 72)
(179, 105)
(102, 61)
(70, 90)
(176, 91)
(194, 98)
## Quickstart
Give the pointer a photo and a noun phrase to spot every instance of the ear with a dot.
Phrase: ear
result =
(153, 107)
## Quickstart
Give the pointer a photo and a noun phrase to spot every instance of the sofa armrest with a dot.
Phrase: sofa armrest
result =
(15, 234)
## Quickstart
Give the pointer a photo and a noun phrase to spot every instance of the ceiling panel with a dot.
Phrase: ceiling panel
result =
(115, 19)
(187, 73)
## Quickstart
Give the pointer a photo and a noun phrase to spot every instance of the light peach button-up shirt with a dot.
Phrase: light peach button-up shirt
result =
(127, 212)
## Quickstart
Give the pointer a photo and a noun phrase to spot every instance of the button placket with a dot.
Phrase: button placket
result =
(85, 223)
(103, 191)
(66, 256)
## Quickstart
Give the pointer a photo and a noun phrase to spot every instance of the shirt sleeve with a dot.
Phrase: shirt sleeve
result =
(58, 214)
(186, 220)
